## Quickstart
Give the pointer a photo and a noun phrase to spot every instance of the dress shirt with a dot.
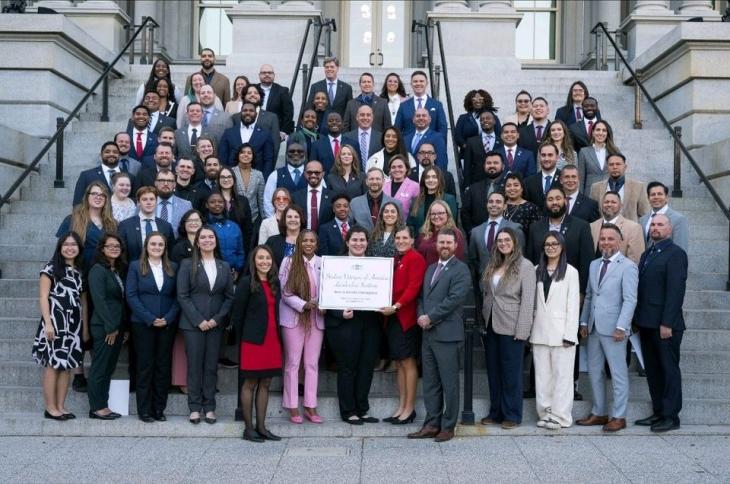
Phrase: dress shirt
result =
(135, 133)
(143, 223)
(600, 156)
(265, 101)
(544, 124)
(157, 273)
(211, 271)
(580, 107)
(199, 133)
(620, 192)
(423, 98)
(612, 221)
(154, 117)
(169, 209)
(585, 124)
(488, 140)
(247, 131)
(498, 221)
(661, 211)
(393, 105)
(333, 86)
(332, 142)
(309, 203)
(108, 172)
(571, 200)
(555, 227)
(271, 185)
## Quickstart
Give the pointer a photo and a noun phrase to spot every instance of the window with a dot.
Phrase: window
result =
(215, 28)
(536, 34)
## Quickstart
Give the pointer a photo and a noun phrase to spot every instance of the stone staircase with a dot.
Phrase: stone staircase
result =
(27, 231)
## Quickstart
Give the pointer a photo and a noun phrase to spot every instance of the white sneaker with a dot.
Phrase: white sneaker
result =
(552, 425)
(541, 423)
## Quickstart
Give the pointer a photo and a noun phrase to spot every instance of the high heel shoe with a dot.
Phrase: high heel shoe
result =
(62, 417)
(408, 420)
(313, 418)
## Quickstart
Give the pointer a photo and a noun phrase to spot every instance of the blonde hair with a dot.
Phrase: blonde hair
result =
(427, 229)
(80, 217)
(337, 167)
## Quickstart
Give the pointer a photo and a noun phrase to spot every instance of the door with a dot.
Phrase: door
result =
(376, 33)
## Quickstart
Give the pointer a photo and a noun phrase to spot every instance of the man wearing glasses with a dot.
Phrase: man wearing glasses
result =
(289, 176)
(170, 207)
(426, 156)
(277, 100)
(315, 199)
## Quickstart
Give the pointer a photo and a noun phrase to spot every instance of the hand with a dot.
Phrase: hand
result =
(125, 338)
(212, 324)
(665, 332)
(619, 335)
(50, 332)
(111, 338)
(309, 305)
(387, 311)
(347, 314)
(567, 344)
(424, 321)
(583, 331)
(203, 326)
(322, 311)
(159, 323)
(282, 135)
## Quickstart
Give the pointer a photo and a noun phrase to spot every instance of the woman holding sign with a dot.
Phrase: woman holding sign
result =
(354, 337)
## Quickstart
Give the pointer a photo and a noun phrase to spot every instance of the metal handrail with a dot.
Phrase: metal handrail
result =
(676, 136)
(74, 112)
(319, 23)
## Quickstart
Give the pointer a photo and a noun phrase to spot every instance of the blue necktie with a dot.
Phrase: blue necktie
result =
(548, 182)
(163, 211)
(363, 149)
(414, 143)
(296, 176)
(125, 165)
(147, 227)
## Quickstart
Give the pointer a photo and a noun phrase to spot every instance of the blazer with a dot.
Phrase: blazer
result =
(567, 114)
(662, 285)
(474, 201)
(182, 141)
(448, 178)
(680, 227)
(279, 102)
(221, 85)
(353, 187)
(527, 139)
(360, 210)
(510, 305)
(85, 179)
(585, 208)
(610, 304)
(269, 122)
(148, 303)
(107, 296)
(556, 317)
(179, 207)
(406, 110)
(322, 150)
(434, 138)
(634, 202)
(324, 214)
(131, 233)
(381, 115)
(254, 192)
(375, 143)
(467, 126)
(443, 301)
(291, 305)
(277, 244)
(534, 187)
(261, 143)
(407, 191)
(150, 146)
(416, 220)
(343, 95)
(589, 171)
(632, 245)
(407, 283)
(478, 254)
(378, 160)
(523, 160)
(579, 134)
(197, 301)
(250, 312)
(474, 157)
(330, 238)
(133, 166)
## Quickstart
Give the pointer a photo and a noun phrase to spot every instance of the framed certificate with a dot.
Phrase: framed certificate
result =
(364, 283)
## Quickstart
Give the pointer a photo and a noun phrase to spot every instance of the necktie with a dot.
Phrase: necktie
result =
(206, 118)
(436, 273)
(538, 132)
(147, 227)
(510, 158)
(488, 143)
(110, 174)
(164, 214)
(313, 211)
(416, 140)
(336, 147)
(331, 92)
(578, 114)
(296, 174)
(363, 149)
(590, 129)
(604, 267)
(548, 183)
(420, 103)
(374, 211)
(138, 146)
(124, 165)
(194, 137)
(343, 229)
(490, 235)
(568, 206)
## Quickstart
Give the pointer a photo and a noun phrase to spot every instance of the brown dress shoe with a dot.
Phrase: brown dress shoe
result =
(488, 421)
(444, 436)
(426, 432)
(614, 425)
(593, 420)
(509, 425)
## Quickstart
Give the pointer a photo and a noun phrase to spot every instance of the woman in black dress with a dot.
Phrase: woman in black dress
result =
(255, 315)
(57, 345)
(518, 209)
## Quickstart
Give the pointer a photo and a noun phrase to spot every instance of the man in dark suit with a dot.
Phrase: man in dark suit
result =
(423, 133)
(581, 130)
(277, 99)
(338, 93)
(367, 97)
(246, 131)
(474, 202)
(315, 199)
(327, 147)
(537, 185)
(265, 120)
(419, 99)
(477, 148)
(369, 139)
(578, 205)
(662, 286)
(103, 173)
(157, 120)
(163, 158)
(516, 159)
(426, 157)
(144, 141)
(332, 234)
(137, 228)
(531, 135)
(440, 315)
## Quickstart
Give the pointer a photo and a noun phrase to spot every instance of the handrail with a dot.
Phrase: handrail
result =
(449, 104)
(675, 135)
(74, 112)
(319, 24)
(299, 57)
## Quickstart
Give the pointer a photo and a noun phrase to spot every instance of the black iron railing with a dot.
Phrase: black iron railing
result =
(321, 24)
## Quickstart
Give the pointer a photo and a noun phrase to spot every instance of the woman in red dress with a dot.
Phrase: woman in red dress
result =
(255, 315)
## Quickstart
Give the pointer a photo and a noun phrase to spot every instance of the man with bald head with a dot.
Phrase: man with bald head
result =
(662, 285)
(369, 139)
(424, 133)
(276, 100)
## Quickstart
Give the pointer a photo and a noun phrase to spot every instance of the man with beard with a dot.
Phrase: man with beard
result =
(424, 133)
(477, 148)
(276, 100)
(474, 202)
(158, 120)
(210, 183)
(517, 159)
(632, 238)
(581, 130)
(170, 207)
(163, 158)
(144, 141)
(326, 148)
(220, 83)
(635, 204)
(246, 131)
(290, 176)
(426, 157)
(537, 185)
(577, 204)
(214, 120)
(127, 162)
(265, 120)
(380, 118)
(186, 186)
(315, 199)
(365, 208)
(109, 165)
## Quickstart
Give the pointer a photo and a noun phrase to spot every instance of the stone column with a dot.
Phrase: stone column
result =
(647, 22)
(496, 6)
(609, 12)
(697, 8)
(451, 6)
(651, 7)
(298, 4)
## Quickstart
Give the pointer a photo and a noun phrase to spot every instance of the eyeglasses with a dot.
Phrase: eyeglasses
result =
(312, 172)
(295, 151)
(438, 214)
(431, 153)
(193, 221)
(113, 247)
(282, 199)
(164, 181)
(97, 195)
(226, 177)
(266, 72)
(551, 245)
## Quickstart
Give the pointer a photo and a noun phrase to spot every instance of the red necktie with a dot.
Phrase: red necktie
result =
(313, 212)
(490, 235)
(590, 129)
(374, 211)
(510, 159)
(538, 133)
(343, 229)
(139, 147)
(578, 115)
(336, 149)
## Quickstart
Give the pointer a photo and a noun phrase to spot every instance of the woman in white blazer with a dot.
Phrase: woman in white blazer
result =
(555, 334)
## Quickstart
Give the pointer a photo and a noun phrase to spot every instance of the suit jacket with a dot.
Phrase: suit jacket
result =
(291, 305)
(260, 141)
(354, 186)
(567, 114)
(343, 95)
(85, 179)
(269, 122)
(467, 126)
(406, 110)
(220, 83)
(179, 207)
(589, 170)
(510, 304)
(162, 122)
(556, 317)
(407, 191)
(680, 227)
(407, 283)
(250, 312)
(634, 201)
(108, 299)
(322, 150)
(374, 146)
(448, 178)
(360, 210)
(150, 146)
(277, 244)
(610, 304)
(662, 285)
(133, 166)
(585, 208)
(632, 245)
(478, 254)
(474, 156)
(330, 238)
(523, 160)
(434, 138)
(145, 178)
(579, 134)
(198, 302)
(443, 301)
(534, 187)
(148, 303)
(279, 102)
(474, 202)
(324, 214)
(381, 115)
(131, 233)
(528, 140)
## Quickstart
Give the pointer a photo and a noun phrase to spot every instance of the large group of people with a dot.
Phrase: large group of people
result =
(186, 239)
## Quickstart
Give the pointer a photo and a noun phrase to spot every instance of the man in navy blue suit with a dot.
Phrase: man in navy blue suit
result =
(419, 99)
(332, 234)
(315, 198)
(135, 229)
(516, 159)
(103, 173)
(144, 141)
(246, 131)
(423, 133)
(339, 93)
(325, 148)
(477, 148)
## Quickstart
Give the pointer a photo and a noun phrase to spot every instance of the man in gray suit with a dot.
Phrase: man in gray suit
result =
(365, 208)
(215, 122)
(170, 207)
(608, 309)
(440, 316)
(658, 194)
(368, 137)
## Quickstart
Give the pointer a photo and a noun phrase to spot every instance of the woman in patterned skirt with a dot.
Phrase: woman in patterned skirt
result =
(57, 345)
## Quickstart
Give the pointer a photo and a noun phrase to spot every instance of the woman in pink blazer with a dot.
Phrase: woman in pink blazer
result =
(302, 325)
(399, 186)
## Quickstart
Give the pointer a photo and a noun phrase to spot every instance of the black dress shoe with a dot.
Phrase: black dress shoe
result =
(61, 418)
(368, 419)
(268, 435)
(146, 418)
(227, 363)
(252, 436)
(354, 420)
(390, 419)
(648, 421)
(115, 415)
(69, 416)
(664, 425)
(108, 416)
(577, 396)
(408, 420)
(160, 417)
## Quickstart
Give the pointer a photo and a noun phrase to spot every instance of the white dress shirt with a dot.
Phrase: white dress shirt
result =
(143, 223)
(199, 133)
(571, 200)
(661, 211)
(309, 202)
(265, 101)
(211, 271)
(157, 273)
(247, 132)
(600, 156)
(154, 117)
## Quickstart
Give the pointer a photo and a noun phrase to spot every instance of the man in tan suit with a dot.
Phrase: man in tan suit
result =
(632, 192)
(632, 242)
(220, 83)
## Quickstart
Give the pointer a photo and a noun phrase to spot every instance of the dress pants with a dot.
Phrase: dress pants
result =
(202, 348)
(504, 357)
(179, 361)
(601, 349)
(355, 346)
(299, 342)
(154, 362)
(661, 358)
(440, 362)
(102, 367)
(554, 382)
